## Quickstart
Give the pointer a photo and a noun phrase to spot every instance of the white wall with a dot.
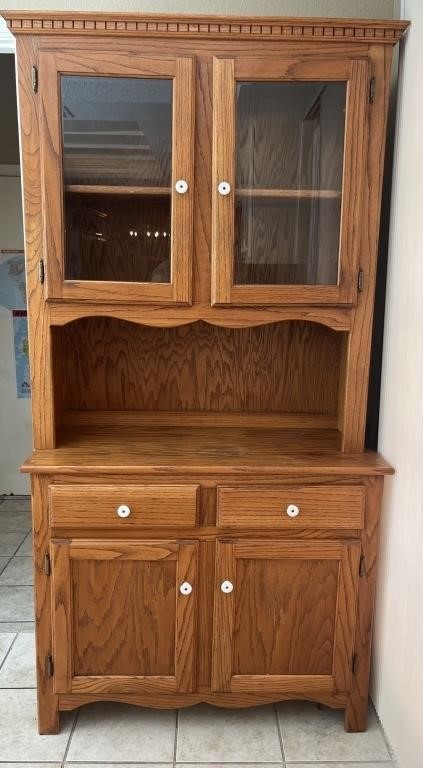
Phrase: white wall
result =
(398, 643)
(357, 8)
(15, 416)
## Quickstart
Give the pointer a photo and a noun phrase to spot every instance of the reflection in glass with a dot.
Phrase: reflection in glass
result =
(117, 168)
(289, 166)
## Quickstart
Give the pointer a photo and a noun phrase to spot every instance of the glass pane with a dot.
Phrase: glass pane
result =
(289, 166)
(117, 167)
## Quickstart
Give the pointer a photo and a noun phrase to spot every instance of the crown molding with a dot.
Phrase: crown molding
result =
(217, 27)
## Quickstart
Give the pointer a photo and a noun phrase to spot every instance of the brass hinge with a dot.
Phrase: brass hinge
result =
(372, 89)
(49, 666)
(34, 78)
(362, 566)
(354, 664)
(47, 564)
(360, 281)
(41, 271)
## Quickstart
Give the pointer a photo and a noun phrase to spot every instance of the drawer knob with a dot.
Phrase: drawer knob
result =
(224, 188)
(292, 510)
(226, 587)
(185, 588)
(181, 186)
(123, 510)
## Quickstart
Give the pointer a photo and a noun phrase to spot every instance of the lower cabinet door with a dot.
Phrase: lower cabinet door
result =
(123, 615)
(284, 616)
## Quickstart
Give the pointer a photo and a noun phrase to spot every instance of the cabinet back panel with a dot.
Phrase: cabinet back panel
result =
(109, 364)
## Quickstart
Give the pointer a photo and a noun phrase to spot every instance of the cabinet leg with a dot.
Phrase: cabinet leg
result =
(48, 714)
(355, 719)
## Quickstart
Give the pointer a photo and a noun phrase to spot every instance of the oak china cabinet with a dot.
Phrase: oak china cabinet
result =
(201, 213)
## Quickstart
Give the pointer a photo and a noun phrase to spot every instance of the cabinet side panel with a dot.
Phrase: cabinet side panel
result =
(356, 353)
(38, 318)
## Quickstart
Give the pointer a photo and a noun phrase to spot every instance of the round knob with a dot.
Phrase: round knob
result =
(224, 188)
(181, 186)
(185, 588)
(226, 587)
(292, 510)
(123, 510)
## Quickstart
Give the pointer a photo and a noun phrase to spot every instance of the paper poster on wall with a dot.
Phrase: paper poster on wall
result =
(13, 297)
(20, 338)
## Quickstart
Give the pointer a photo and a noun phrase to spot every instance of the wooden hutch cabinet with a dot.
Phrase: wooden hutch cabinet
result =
(201, 214)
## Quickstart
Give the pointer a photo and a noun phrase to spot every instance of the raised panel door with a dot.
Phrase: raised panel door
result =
(284, 616)
(123, 615)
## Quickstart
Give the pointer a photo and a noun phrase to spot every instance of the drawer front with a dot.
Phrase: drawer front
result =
(123, 506)
(312, 506)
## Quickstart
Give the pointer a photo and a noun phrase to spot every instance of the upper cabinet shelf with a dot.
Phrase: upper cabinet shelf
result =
(104, 189)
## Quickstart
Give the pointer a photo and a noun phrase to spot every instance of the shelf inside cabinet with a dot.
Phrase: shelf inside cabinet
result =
(110, 189)
(228, 450)
(306, 194)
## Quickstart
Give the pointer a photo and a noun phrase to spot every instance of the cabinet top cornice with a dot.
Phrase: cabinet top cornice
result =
(204, 26)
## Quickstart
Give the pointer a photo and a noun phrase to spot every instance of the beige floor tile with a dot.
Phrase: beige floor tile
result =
(16, 503)
(25, 550)
(19, 737)
(30, 765)
(10, 541)
(14, 521)
(226, 765)
(337, 765)
(16, 603)
(6, 640)
(310, 733)
(18, 671)
(116, 765)
(119, 732)
(17, 626)
(210, 735)
(19, 572)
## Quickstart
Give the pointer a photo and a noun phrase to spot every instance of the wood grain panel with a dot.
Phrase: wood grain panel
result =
(62, 619)
(112, 365)
(94, 506)
(320, 506)
(123, 617)
(285, 617)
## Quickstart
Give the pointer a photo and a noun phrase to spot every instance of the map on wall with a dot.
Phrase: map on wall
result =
(13, 297)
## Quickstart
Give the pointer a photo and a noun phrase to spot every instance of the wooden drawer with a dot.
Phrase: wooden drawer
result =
(294, 506)
(96, 506)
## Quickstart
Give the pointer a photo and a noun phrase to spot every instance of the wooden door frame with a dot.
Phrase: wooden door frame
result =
(85, 61)
(310, 67)
(63, 551)
(227, 552)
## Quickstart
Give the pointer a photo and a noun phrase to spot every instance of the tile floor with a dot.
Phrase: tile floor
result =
(299, 735)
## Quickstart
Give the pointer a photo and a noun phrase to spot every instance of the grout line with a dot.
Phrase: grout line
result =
(9, 649)
(176, 738)
(72, 731)
(278, 725)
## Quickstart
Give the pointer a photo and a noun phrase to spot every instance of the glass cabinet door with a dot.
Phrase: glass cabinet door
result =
(288, 172)
(117, 146)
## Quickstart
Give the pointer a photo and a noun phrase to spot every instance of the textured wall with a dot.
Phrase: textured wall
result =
(345, 8)
(398, 669)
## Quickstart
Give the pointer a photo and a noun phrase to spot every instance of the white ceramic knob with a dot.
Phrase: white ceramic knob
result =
(181, 186)
(292, 510)
(224, 188)
(226, 587)
(123, 510)
(185, 588)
